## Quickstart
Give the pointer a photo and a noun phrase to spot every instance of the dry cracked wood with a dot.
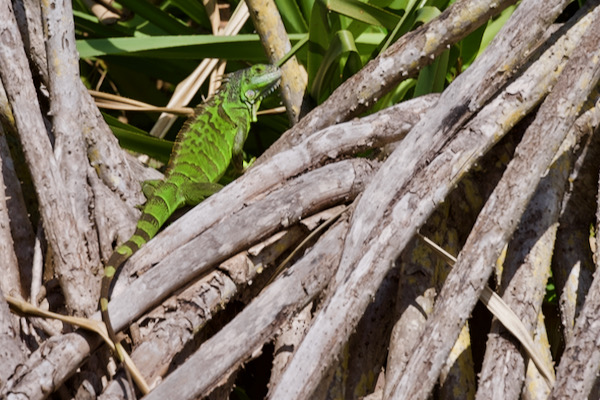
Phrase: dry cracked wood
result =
(388, 215)
(478, 109)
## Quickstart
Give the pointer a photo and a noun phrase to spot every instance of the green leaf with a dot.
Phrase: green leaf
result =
(293, 51)
(318, 41)
(292, 16)
(134, 139)
(469, 46)
(92, 27)
(306, 6)
(424, 15)
(395, 96)
(439, 4)
(180, 47)
(432, 78)
(404, 24)
(342, 46)
(147, 11)
(194, 10)
(494, 26)
(364, 12)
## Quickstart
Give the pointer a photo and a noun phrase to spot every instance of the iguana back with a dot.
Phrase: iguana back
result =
(204, 148)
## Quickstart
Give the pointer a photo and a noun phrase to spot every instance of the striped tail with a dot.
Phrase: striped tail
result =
(116, 260)
(155, 213)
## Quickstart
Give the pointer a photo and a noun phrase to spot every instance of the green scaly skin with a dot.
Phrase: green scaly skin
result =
(204, 148)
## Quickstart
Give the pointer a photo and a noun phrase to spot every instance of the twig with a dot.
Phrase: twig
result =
(98, 327)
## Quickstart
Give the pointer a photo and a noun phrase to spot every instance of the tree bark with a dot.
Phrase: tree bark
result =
(418, 152)
(388, 215)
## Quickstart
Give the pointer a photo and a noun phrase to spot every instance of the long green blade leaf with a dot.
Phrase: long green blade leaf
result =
(136, 140)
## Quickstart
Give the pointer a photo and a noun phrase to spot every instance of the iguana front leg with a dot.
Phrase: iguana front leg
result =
(237, 153)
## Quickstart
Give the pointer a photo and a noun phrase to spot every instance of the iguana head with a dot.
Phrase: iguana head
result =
(256, 83)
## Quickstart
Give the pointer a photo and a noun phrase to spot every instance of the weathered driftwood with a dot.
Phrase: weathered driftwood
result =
(258, 321)
(388, 214)
(496, 223)
(185, 313)
(279, 191)
(400, 61)
(575, 375)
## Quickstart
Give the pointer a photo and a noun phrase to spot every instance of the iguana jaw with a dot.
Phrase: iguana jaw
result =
(268, 82)
(264, 93)
(264, 83)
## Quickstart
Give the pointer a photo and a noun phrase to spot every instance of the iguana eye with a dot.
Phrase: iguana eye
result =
(250, 93)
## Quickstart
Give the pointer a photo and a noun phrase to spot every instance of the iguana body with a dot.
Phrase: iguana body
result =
(202, 152)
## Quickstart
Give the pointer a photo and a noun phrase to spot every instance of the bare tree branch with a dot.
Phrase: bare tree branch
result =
(524, 274)
(573, 266)
(184, 314)
(39, 375)
(496, 223)
(258, 322)
(276, 43)
(303, 196)
(9, 265)
(400, 61)
(70, 150)
(12, 353)
(55, 207)
(377, 130)
(389, 214)
(575, 374)
(328, 145)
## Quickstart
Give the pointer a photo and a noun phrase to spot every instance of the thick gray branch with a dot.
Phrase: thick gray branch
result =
(501, 213)
(70, 150)
(55, 207)
(12, 353)
(400, 61)
(576, 373)
(187, 312)
(9, 266)
(409, 186)
(305, 195)
(258, 322)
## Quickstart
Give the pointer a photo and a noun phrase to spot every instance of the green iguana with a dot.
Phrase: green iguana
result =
(205, 146)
